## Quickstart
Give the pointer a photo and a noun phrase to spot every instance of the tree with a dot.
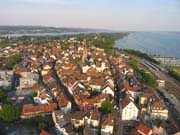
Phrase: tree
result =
(106, 107)
(17, 58)
(34, 94)
(3, 95)
(42, 125)
(10, 113)
(10, 65)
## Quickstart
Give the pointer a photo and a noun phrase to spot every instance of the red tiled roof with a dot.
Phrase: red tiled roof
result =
(143, 129)
(62, 101)
(43, 132)
(30, 109)
(133, 89)
(125, 102)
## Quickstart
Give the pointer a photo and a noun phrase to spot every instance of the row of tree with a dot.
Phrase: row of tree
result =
(172, 71)
(145, 77)
(141, 55)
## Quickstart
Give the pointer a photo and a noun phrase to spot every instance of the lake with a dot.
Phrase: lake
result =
(159, 43)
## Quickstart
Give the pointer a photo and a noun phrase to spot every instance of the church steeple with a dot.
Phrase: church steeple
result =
(85, 53)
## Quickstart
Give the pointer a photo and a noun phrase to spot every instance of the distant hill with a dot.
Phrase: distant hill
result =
(42, 29)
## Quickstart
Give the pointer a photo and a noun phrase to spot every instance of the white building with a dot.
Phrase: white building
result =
(107, 126)
(27, 80)
(158, 110)
(6, 79)
(108, 89)
(128, 110)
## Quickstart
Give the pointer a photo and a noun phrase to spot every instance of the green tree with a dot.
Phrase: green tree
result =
(17, 57)
(106, 107)
(10, 113)
(42, 125)
(134, 64)
(3, 95)
(34, 94)
(10, 65)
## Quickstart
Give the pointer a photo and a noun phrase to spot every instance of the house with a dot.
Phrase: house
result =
(133, 91)
(158, 109)
(147, 96)
(27, 80)
(108, 88)
(128, 109)
(164, 128)
(64, 104)
(42, 97)
(78, 119)
(96, 83)
(144, 130)
(141, 129)
(43, 132)
(107, 125)
(91, 103)
(85, 68)
(6, 79)
(46, 69)
(92, 71)
(89, 131)
(30, 110)
(62, 122)
(100, 66)
(95, 118)
(58, 118)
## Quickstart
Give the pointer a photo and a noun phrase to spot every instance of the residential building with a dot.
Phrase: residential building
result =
(30, 110)
(128, 109)
(158, 109)
(95, 118)
(144, 130)
(6, 79)
(107, 125)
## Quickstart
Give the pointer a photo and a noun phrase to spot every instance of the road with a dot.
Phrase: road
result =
(66, 92)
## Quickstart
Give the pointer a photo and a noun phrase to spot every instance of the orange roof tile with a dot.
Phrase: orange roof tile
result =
(143, 129)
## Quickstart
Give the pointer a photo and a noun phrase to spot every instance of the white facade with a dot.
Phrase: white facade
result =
(27, 80)
(106, 130)
(129, 112)
(108, 90)
(6, 79)
(85, 68)
(101, 68)
(160, 114)
(67, 108)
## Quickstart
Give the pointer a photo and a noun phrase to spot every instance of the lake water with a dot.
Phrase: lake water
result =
(162, 43)
(45, 34)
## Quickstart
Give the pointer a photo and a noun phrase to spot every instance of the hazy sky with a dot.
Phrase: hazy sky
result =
(129, 15)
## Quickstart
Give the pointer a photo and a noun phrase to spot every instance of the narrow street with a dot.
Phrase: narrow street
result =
(75, 106)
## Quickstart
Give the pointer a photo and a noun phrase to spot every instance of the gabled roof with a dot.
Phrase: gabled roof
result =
(132, 89)
(79, 115)
(43, 132)
(62, 101)
(158, 105)
(30, 109)
(124, 102)
(108, 121)
(143, 129)
(95, 115)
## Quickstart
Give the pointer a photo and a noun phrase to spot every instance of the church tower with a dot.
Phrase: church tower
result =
(85, 54)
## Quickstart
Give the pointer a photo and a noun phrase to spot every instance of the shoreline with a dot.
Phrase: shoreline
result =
(152, 44)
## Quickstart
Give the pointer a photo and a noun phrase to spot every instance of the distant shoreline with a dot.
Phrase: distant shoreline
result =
(163, 44)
